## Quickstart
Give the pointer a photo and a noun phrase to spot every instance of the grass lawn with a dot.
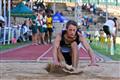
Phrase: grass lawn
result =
(10, 46)
(105, 51)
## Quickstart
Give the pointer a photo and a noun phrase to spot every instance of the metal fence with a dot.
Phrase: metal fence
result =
(109, 2)
(7, 34)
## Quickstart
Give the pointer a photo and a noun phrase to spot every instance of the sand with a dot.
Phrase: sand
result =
(35, 71)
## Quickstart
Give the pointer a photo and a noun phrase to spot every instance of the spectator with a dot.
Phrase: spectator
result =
(34, 32)
(110, 28)
(49, 27)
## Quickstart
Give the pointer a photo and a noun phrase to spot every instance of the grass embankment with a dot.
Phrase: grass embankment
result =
(106, 51)
(10, 46)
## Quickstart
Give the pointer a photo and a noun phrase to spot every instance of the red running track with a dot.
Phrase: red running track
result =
(31, 52)
(38, 52)
(83, 55)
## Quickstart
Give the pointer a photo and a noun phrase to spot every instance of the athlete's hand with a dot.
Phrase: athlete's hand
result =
(62, 64)
(93, 64)
(93, 61)
(56, 63)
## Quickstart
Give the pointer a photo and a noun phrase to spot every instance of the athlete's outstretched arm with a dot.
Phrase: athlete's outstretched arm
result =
(88, 48)
(56, 45)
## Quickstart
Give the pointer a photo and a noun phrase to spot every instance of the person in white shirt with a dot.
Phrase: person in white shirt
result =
(44, 29)
(110, 28)
(39, 25)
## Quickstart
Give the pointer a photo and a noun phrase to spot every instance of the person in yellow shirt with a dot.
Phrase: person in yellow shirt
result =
(102, 38)
(49, 27)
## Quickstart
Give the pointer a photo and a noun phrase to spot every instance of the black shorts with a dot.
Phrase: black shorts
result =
(50, 29)
(66, 52)
(106, 29)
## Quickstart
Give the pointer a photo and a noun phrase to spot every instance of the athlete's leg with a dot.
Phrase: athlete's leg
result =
(113, 34)
(114, 41)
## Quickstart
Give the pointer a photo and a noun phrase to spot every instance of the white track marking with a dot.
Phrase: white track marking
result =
(38, 59)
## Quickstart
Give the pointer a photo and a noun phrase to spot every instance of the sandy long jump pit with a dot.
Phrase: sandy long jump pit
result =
(36, 71)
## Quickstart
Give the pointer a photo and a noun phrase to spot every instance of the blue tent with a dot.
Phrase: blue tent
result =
(21, 11)
(59, 18)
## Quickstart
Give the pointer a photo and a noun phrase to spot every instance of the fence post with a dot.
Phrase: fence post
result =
(0, 7)
(12, 33)
(8, 36)
(106, 4)
(4, 35)
(18, 32)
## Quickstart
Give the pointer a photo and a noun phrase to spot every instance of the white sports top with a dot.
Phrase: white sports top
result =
(111, 25)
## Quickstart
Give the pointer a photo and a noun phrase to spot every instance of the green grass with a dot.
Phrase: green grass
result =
(105, 51)
(10, 46)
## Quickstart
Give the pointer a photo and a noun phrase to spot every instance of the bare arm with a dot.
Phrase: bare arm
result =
(55, 47)
(88, 48)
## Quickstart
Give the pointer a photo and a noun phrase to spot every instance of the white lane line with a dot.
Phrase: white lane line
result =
(38, 59)
(47, 58)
